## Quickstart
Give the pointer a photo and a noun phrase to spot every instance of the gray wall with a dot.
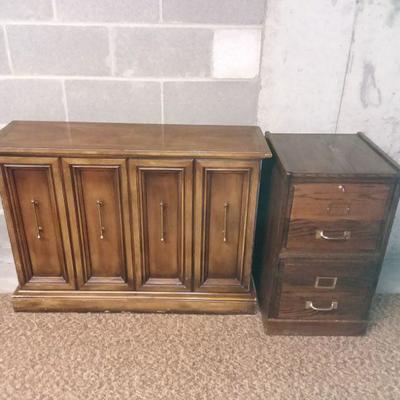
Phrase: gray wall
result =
(334, 66)
(172, 61)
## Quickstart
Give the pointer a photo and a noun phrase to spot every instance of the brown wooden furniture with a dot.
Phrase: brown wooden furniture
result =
(131, 217)
(330, 202)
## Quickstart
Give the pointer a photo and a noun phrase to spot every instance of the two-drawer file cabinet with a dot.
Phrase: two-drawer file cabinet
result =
(327, 207)
(131, 217)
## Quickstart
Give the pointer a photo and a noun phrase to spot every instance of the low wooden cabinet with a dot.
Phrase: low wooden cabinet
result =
(131, 216)
(329, 203)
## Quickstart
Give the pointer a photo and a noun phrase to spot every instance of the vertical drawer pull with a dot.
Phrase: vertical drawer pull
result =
(226, 205)
(161, 221)
(100, 205)
(310, 305)
(39, 229)
(319, 234)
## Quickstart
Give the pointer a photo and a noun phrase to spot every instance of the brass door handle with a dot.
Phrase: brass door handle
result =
(39, 229)
(310, 306)
(224, 231)
(100, 205)
(162, 221)
(319, 234)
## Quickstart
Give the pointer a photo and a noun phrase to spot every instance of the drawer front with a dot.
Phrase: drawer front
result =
(162, 219)
(325, 289)
(98, 204)
(325, 275)
(334, 236)
(224, 224)
(327, 306)
(36, 217)
(331, 201)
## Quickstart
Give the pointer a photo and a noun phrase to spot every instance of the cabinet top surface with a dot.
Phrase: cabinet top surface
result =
(64, 138)
(331, 154)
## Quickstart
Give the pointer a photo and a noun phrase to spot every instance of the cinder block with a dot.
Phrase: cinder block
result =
(113, 101)
(214, 12)
(168, 52)
(28, 10)
(108, 10)
(4, 67)
(236, 53)
(211, 102)
(31, 99)
(59, 50)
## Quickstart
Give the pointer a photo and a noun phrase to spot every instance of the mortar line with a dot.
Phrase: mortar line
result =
(111, 50)
(64, 93)
(160, 11)
(53, 4)
(346, 72)
(125, 79)
(7, 46)
(132, 24)
(162, 102)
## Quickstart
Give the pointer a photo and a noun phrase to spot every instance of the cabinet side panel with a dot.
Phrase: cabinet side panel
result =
(275, 184)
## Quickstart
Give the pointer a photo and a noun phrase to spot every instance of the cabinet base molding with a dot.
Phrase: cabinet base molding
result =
(64, 301)
(314, 328)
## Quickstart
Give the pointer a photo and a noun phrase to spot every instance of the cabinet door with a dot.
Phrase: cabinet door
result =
(37, 223)
(225, 208)
(162, 217)
(97, 195)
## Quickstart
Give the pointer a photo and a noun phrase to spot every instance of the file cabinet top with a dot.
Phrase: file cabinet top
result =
(331, 155)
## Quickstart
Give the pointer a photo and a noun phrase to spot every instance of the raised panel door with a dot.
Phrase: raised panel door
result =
(97, 193)
(226, 196)
(162, 216)
(34, 203)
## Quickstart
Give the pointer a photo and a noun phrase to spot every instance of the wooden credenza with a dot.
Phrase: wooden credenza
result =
(131, 217)
(329, 203)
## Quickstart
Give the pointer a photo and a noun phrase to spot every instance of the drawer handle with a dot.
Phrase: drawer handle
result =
(310, 305)
(226, 205)
(161, 221)
(319, 234)
(39, 229)
(100, 205)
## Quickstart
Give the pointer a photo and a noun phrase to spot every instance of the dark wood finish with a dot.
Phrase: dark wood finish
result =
(333, 155)
(323, 187)
(224, 224)
(297, 275)
(131, 196)
(330, 202)
(162, 215)
(314, 328)
(35, 212)
(306, 234)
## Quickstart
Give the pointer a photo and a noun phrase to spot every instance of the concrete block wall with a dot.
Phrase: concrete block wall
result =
(156, 61)
(334, 67)
(172, 61)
